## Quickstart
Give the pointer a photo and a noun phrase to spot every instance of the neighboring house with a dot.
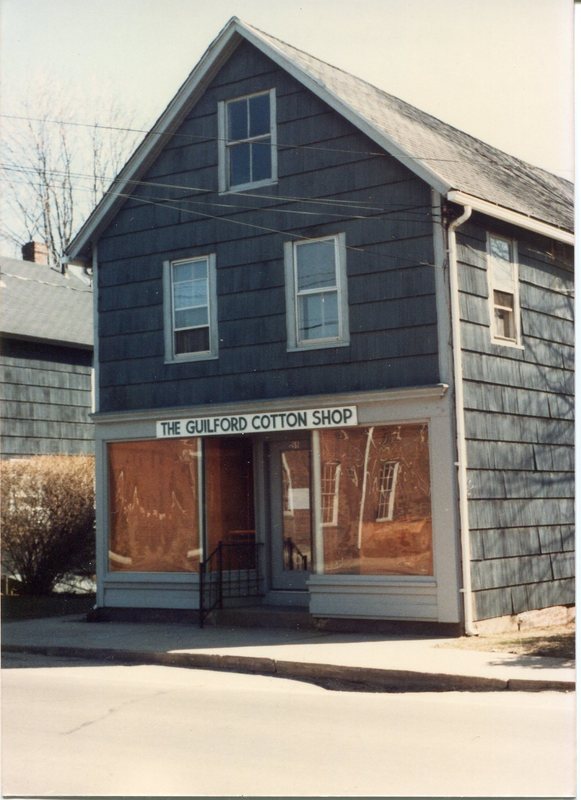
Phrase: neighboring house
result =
(334, 325)
(46, 352)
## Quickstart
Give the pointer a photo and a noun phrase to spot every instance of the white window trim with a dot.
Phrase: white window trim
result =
(223, 177)
(325, 495)
(293, 341)
(389, 495)
(212, 352)
(499, 340)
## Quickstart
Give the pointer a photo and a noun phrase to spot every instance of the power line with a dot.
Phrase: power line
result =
(367, 250)
(201, 139)
(421, 210)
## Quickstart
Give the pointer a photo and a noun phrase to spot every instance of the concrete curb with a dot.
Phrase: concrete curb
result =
(330, 676)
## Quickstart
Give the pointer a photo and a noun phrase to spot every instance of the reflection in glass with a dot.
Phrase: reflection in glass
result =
(383, 522)
(296, 503)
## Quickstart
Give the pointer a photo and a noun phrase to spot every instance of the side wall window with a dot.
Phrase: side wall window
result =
(316, 293)
(247, 141)
(503, 291)
(190, 309)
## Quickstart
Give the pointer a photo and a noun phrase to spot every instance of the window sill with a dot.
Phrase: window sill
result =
(507, 343)
(243, 187)
(322, 345)
(187, 359)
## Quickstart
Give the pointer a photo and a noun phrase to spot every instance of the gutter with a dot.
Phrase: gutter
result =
(510, 216)
(466, 590)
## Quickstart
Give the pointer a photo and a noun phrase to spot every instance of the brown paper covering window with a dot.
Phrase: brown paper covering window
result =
(153, 491)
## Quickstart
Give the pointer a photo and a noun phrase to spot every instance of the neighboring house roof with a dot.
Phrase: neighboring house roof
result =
(452, 162)
(37, 302)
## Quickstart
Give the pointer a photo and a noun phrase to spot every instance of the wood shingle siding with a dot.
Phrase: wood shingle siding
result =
(391, 289)
(519, 428)
(46, 399)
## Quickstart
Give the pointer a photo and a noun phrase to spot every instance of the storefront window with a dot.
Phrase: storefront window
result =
(153, 491)
(229, 492)
(375, 502)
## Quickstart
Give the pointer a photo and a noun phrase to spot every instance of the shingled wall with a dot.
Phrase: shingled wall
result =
(519, 426)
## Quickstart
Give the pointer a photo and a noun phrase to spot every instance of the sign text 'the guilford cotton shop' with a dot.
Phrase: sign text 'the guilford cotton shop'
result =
(263, 422)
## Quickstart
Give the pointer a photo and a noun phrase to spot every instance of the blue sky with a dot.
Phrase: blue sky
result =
(499, 69)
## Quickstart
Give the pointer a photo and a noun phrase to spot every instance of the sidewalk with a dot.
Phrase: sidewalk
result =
(361, 662)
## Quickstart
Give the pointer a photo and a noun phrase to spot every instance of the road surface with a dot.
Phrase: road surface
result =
(80, 728)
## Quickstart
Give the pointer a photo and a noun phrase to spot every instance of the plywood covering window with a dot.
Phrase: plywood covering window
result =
(503, 291)
(316, 293)
(154, 506)
(383, 524)
(247, 141)
(190, 309)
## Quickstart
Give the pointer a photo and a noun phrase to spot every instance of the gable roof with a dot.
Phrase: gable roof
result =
(39, 303)
(454, 163)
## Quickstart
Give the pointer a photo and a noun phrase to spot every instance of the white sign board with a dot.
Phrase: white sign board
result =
(264, 422)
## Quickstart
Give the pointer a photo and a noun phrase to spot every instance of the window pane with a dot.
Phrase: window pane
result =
(316, 265)
(310, 317)
(239, 164)
(191, 317)
(183, 295)
(261, 160)
(503, 275)
(500, 248)
(237, 120)
(318, 316)
(183, 272)
(200, 269)
(192, 341)
(153, 488)
(383, 524)
(259, 115)
(297, 527)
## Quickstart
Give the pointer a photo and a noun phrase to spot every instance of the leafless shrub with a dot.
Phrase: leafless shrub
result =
(47, 519)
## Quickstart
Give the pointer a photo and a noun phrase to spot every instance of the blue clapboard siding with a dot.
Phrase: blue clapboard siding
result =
(519, 428)
(45, 392)
(382, 208)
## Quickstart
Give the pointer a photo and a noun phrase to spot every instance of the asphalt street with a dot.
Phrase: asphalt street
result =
(80, 728)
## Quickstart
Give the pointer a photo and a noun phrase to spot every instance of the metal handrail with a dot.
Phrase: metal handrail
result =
(232, 570)
(293, 549)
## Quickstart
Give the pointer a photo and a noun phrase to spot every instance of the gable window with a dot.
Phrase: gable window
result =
(190, 309)
(247, 141)
(503, 291)
(316, 289)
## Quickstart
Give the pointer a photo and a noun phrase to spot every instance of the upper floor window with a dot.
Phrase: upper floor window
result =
(503, 290)
(316, 293)
(190, 309)
(247, 146)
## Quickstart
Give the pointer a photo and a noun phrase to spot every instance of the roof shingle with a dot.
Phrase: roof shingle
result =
(40, 303)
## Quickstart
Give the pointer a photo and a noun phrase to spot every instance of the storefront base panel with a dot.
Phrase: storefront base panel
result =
(357, 598)
(153, 595)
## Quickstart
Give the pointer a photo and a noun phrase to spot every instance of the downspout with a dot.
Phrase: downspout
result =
(466, 590)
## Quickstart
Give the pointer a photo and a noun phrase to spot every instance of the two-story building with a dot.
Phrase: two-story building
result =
(333, 326)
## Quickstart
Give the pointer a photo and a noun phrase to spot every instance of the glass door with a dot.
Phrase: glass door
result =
(291, 511)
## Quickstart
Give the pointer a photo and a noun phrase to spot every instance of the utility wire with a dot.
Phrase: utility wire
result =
(418, 211)
(367, 250)
(202, 139)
